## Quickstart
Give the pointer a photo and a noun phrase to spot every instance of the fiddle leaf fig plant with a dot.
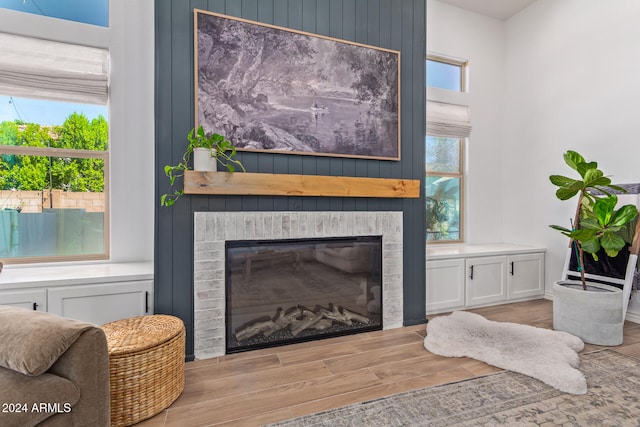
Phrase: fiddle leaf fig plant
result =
(596, 221)
(220, 148)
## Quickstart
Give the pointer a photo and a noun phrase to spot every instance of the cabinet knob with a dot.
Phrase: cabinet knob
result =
(512, 268)
(35, 306)
(471, 272)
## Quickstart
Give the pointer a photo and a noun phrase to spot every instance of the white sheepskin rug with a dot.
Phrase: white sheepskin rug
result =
(547, 355)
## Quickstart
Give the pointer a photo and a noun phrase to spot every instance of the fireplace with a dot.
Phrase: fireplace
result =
(212, 231)
(291, 290)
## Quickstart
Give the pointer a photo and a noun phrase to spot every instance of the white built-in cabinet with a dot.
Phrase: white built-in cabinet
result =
(96, 294)
(445, 285)
(466, 276)
(33, 299)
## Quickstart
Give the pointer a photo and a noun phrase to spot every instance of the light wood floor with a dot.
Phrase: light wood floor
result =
(265, 386)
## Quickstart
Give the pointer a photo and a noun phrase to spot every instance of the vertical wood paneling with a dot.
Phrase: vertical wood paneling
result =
(182, 94)
(217, 6)
(335, 18)
(295, 15)
(280, 12)
(309, 15)
(163, 217)
(349, 20)
(373, 22)
(361, 17)
(418, 128)
(323, 17)
(394, 24)
(233, 8)
(250, 9)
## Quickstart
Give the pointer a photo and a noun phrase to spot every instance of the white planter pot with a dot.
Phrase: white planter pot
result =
(202, 160)
(593, 315)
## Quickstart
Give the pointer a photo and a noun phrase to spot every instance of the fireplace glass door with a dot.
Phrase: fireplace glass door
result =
(284, 291)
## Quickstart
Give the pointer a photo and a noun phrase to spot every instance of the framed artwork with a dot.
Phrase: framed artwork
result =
(273, 89)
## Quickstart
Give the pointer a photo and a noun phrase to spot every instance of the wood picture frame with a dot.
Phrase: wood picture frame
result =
(278, 90)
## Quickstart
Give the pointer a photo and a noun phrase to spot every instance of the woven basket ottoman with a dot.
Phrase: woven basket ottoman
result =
(146, 366)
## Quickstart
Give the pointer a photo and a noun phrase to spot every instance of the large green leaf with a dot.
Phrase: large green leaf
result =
(583, 234)
(592, 175)
(603, 209)
(573, 159)
(560, 228)
(565, 193)
(591, 246)
(602, 181)
(612, 241)
(584, 167)
(624, 215)
(590, 224)
(563, 181)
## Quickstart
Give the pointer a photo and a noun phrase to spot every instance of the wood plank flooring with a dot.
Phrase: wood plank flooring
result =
(264, 386)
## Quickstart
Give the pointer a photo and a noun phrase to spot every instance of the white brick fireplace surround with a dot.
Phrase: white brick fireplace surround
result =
(212, 229)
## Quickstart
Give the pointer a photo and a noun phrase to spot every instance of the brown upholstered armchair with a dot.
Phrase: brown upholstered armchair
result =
(53, 371)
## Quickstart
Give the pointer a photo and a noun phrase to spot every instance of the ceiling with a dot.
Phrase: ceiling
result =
(499, 9)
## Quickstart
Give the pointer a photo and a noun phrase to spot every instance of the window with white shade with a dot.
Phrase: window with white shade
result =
(448, 125)
(54, 156)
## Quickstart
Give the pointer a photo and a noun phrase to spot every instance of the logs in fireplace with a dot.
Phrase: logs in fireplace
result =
(299, 319)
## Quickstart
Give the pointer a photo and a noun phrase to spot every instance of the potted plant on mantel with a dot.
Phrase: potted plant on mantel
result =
(592, 311)
(208, 151)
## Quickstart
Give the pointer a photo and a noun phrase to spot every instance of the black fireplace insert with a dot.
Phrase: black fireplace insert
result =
(292, 290)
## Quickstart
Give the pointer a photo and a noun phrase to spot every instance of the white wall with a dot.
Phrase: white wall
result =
(466, 35)
(130, 40)
(559, 75)
(572, 82)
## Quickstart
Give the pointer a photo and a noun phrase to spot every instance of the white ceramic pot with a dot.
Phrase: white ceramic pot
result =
(202, 160)
(594, 315)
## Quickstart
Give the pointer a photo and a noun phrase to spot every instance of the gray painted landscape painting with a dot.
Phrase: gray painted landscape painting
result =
(271, 89)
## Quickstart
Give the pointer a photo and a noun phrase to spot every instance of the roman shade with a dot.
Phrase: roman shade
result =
(448, 120)
(45, 69)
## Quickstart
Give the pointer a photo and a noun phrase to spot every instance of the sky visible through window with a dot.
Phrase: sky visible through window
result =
(47, 113)
(442, 75)
(95, 12)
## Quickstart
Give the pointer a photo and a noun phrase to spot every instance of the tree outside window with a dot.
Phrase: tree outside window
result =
(52, 189)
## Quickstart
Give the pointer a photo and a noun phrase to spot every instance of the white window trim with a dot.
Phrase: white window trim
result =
(462, 99)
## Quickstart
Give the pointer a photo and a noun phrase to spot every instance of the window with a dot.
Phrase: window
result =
(447, 127)
(443, 188)
(53, 151)
(446, 73)
(95, 12)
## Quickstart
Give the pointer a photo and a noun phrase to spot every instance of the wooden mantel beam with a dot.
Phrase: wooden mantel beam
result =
(268, 184)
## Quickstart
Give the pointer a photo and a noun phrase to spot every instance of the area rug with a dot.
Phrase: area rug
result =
(505, 398)
(547, 355)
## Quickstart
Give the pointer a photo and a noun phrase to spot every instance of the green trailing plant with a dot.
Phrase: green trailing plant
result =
(597, 222)
(220, 148)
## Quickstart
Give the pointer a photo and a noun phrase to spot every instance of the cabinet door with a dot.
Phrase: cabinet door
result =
(525, 276)
(103, 303)
(486, 280)
(445, 285)
(33, 299)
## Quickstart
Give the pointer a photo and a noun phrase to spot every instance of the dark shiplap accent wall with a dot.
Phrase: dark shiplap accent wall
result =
(392, 24)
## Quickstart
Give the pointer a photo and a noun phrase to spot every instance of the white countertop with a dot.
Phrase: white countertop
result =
(447, 251)
(21, 277)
